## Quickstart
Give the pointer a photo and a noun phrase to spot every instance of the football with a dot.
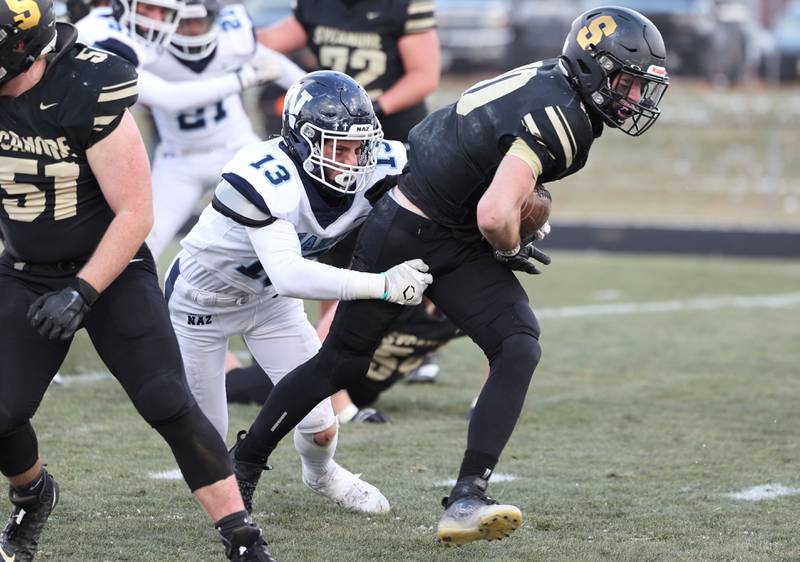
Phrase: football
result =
(535, 211)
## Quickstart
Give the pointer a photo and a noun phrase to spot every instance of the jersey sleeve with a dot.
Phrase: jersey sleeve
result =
(108, 86)
(556, 135)
(263, 185)
(419, 16)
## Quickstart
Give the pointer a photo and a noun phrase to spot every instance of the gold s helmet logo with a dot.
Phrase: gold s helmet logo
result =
(28, 14)
(590, 35)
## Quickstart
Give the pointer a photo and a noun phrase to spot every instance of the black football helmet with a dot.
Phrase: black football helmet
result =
(197, 14)
(149, 31)
(27, 31)
(326, 107)
(617, 59)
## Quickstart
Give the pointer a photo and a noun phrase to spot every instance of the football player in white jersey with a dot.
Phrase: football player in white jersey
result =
(140, 31)
(249, 260)
(196, 142)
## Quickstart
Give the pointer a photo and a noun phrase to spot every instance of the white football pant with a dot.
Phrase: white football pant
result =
(275, 329)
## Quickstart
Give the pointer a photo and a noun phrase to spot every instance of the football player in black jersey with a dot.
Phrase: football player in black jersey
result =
(76, 207)
(472, 164)
(390, 47)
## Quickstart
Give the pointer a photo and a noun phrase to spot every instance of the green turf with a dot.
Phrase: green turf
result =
(635, 428)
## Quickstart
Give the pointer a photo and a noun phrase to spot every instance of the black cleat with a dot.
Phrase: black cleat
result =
(247, 544)
(20, 537)
(247, 474)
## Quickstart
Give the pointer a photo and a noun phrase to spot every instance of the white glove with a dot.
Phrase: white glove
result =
(262, 68)
(544, 231)
(406, 282)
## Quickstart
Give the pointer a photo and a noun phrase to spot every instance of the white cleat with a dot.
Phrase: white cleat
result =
(348, 490)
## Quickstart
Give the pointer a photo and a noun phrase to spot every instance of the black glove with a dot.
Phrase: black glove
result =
(58, 314)
(520, 259)
(371, 415)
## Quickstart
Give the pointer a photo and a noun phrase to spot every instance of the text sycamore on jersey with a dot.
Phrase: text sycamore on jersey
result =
(53, 209)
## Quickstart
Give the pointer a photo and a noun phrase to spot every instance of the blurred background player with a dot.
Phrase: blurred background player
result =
(196, 142)
(249, 260)
(389, 47)
(141, 31)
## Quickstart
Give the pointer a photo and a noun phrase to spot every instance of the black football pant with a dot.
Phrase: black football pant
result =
(130, 328)
(479, 294)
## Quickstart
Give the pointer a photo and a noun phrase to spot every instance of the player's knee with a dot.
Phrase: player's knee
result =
(326, 436)
(343, 366)
(523, 351)
(163, 398)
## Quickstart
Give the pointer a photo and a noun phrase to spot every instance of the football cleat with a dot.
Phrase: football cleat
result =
(348, 490)
(20, 537)
(475, 516)
(247, 544)
(247, 474)
(427, 372)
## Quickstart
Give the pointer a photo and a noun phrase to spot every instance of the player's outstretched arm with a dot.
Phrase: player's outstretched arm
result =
(120, 165)
(278, 248)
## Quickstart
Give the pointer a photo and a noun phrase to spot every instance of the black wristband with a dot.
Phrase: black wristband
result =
(85, 290)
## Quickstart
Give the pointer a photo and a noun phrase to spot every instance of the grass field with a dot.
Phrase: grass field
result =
(666, 385)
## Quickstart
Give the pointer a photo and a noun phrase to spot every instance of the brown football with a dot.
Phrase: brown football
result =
(535, 211)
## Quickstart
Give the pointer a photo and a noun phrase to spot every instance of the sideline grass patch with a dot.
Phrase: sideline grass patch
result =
(635, 428)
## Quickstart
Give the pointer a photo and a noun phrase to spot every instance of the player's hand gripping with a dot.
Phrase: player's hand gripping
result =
(406, 282)
(262, 68)
(519, 258)
(58, 314)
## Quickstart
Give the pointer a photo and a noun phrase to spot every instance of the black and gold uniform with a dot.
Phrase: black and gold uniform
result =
(545, 115)
(532, 111)
(52, 218)
(53, 209)
(359, 38)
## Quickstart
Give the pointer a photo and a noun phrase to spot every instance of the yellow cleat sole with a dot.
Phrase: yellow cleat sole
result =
(497, 523)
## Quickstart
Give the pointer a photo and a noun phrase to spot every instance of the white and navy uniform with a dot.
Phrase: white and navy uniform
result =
(248, 262)
(197, 141)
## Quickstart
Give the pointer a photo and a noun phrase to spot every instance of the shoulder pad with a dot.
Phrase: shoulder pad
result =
(236, 26)
(233, 199)
(267, 176)
(563, 131)
(392, 158)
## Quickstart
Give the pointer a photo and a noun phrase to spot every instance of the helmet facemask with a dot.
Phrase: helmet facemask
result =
(150, 31)
(629, 97)
(322, 165)
(194, 46)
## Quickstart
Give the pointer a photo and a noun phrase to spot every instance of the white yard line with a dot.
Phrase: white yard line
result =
(174, 474)
(763, 492)
(496, 477)
(783, 300)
